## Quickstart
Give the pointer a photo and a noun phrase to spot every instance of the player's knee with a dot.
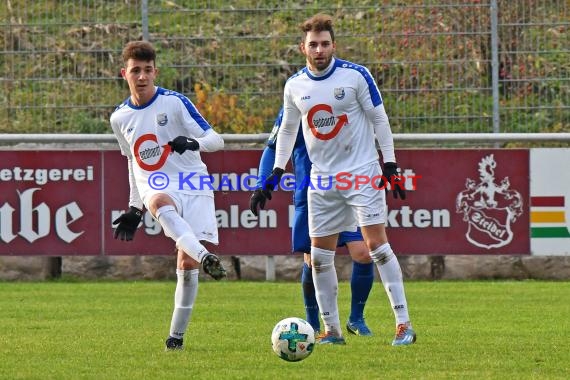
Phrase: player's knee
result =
(359, 252)
(322, 259)
(382, 254)
(157, 201)
(363, 257)
(373, 244)
(185, 262)
(374, 236)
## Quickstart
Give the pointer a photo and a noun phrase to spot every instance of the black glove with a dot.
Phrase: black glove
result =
(257, 201)
(390, 172)
(272, 181)
(127, 224)
(182, 143)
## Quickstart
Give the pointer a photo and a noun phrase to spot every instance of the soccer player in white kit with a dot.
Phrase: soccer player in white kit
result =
(161, 133)
(342, 114)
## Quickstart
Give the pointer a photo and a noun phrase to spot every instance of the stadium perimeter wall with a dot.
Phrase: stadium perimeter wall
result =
(539, 256)
(416, 267)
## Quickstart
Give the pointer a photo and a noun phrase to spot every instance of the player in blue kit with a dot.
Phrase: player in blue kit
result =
(362, 277)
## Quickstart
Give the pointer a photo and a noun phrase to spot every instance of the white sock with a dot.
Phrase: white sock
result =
(393, 281)
(184, 297)
(326, 288)
(180, 231)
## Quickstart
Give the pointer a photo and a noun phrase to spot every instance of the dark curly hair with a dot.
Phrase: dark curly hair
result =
(318, 23)
(140, 50)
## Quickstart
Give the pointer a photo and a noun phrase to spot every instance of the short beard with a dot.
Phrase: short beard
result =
(323, 66)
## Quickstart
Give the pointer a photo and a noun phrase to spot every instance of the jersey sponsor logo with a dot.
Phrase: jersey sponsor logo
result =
(162, 119)
(149, 154)
(489, 208)
(339, 93)
(323, 124)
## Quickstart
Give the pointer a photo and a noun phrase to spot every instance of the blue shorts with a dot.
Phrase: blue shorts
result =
(300, 232)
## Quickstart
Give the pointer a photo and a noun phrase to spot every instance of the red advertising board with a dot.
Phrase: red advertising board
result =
(50, 203)
(459, 202)
(240, 233)
(466, 202)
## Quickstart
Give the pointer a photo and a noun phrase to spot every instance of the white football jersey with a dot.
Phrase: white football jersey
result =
(332, 108)
(143, 134)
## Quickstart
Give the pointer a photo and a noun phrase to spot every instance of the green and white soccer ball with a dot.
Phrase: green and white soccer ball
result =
(293, 339)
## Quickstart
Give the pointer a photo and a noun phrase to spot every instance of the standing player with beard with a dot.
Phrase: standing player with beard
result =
(342, 114)
(162, 133)
(362, 277)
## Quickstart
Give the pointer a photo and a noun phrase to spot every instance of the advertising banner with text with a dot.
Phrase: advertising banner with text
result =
(50, 203)
(465, 201)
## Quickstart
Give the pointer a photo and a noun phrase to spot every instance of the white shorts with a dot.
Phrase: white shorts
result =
(200, 213)
(343, 209)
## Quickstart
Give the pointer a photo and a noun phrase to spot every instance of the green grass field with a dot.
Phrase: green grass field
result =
(116, 330)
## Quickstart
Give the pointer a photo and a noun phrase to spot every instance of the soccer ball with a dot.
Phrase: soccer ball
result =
(293, 339)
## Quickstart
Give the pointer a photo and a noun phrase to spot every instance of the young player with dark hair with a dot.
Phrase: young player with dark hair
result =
(159, 130)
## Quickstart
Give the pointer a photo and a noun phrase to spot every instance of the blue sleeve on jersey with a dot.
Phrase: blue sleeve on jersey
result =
(374, 92)
(301, 163)
(265, 165)
(198, 118)
(268, 157)
(195, 114)
(372, 88)
(272, 140)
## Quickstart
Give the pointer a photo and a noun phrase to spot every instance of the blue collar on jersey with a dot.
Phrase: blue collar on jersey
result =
(156, 93)
(334, 65)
